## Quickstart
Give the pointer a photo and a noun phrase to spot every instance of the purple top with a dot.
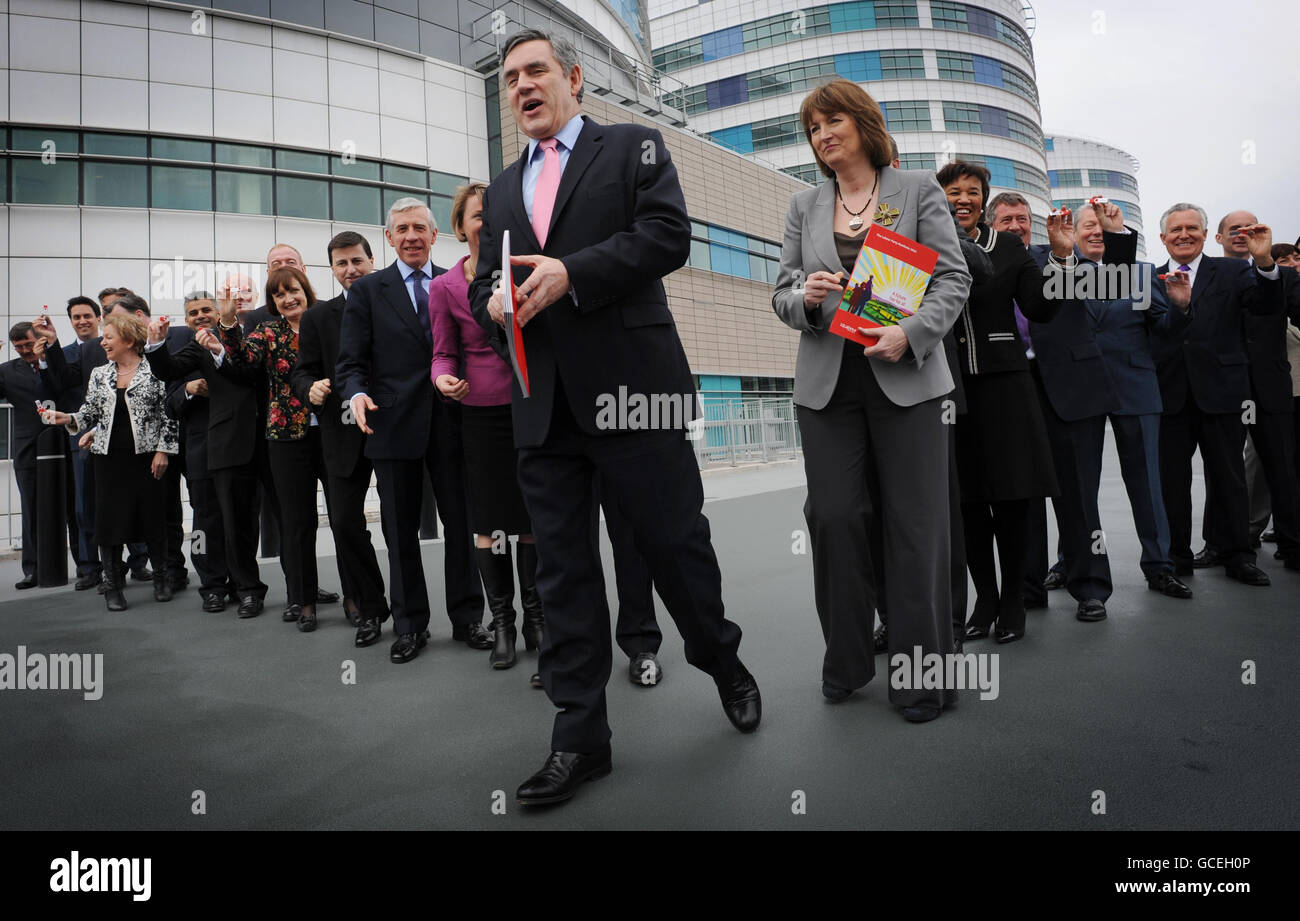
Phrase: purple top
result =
(459, 341)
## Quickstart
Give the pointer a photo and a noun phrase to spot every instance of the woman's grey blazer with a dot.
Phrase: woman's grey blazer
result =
(922, 373)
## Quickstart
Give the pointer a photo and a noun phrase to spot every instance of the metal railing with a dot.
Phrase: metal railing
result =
(746, 429)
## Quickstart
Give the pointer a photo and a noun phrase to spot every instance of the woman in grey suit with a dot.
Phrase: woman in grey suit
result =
(873, 421)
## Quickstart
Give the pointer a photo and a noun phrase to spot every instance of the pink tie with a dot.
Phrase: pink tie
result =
(548, 183)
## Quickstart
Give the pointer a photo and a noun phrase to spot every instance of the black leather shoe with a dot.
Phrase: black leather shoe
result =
(214, 604)
(880, 639)
(143, 574)
(975, 633)
(560, 776)
(408, 646)
(89, 581)
(834, 693)
(645, 671)
(536, 680)
(162, 589)
(1269, 536)
(740, 699)
(922, 713)
(113, 596)
(1054, 580)
(352, 611)
(1208, 559)
(368, 632)
(1248, 574)
(1007, 636)
(475, 636)
(249, 606)
(291, 614)
(324, 597)
(26, 582)
(307, 619)
(1091, 610)
(1166, 583)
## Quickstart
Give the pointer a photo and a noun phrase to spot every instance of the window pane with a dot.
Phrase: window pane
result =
(244, 155)
(302, 162)
(244, 193)
(176, 149)
(182, 187)
(302, 197)
(404, 175)
(116, 145)
(357, 169)
(38, 183)
(356, 203)
(445, 183)
(35, 138)
(440, 208)
(699, 255)
(119, 185)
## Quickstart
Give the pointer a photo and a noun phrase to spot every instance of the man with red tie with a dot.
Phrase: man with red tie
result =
(599, 216)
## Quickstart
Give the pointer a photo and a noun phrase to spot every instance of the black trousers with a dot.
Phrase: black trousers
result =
(1274, 437)
(871, 463)
(236, 489)
(175, 552)
(1220, 437)
(400, 481)
(27, 494)
(209, 537)
(654, 479)
(297, 467)
(1007, 523)
(268, 503)
(636, 630)
(358, 566)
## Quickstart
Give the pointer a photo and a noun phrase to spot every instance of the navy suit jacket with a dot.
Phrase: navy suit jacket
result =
(18, 385)
(1270, 372)
(619, 226)
(1207, 360)
(385, 354)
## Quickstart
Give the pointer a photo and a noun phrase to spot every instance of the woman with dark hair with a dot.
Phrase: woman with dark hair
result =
(134, 439)
(292, 434)
(1004, 459)
(467, 369)
(872, 420)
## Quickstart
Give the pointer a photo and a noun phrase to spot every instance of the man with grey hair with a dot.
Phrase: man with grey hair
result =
(385, 353)
(1205, 381)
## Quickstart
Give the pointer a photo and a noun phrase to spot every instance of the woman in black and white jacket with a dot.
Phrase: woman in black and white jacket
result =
(134, 439)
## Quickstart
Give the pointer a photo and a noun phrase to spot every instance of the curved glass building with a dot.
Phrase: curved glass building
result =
(1079, 169)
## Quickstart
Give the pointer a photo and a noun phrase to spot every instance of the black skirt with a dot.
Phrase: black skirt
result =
(129, 502)
(1002, 448)
(492, 471)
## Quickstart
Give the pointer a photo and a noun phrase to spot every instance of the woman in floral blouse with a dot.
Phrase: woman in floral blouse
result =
(293, 437)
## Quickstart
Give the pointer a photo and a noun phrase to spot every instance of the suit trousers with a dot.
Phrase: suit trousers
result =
(26, 477)
(1261, 501)
(636, 629)
(400, 482)
(1137, 439)
(236, 489)
(871, 463)
(297, 466)
(1273, 435)
(653, 478)
(175, 530)
(359, 572)
(83, 478)
(211, 563)
(1219, 436)
(1036, 565)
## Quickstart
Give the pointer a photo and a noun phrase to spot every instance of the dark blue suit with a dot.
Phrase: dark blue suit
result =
(83, 476)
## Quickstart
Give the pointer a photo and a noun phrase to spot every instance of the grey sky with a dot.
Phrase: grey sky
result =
(1182, 86)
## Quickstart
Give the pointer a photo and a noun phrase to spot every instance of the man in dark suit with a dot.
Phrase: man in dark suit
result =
(342, 442)
(597, 218)
(188, 403)
(1205, 381)
(385, 357)
(84, 314)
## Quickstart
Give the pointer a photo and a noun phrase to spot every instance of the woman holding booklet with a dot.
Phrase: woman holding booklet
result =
(467, 369)
(873, 418)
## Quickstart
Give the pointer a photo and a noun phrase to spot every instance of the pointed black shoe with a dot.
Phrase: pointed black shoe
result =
(559, 778)
(368, 632)
(740, 699)
(1248, 574)
(1166, 583)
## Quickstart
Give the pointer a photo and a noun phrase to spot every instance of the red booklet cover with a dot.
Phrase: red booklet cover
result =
(888, 282)
(514, 333)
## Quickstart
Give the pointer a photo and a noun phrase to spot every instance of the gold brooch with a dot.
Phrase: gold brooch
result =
(885, 215)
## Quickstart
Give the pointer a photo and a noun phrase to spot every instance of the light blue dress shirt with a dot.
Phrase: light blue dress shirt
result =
(408, 274)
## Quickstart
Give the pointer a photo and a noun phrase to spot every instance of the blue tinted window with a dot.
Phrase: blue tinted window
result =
(1052, 176)
(858, 66)
(723, 43)
(994, 121)
(1049, 143)
(987, 70)
(738, 137)
(981, 22)
(1001, 172)
(729, 261)
(850, 17)
(728, 92)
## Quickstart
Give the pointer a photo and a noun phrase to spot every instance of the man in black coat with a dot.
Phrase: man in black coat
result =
(342, 442)
(596, 220)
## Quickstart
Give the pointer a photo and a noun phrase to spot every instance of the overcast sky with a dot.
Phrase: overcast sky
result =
(1182, 86)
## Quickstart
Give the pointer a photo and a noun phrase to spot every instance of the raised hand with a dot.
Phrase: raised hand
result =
(1259, 237)
(1178, 287)
(1060, 232)
(1110, 215)
(228, 310)
(158, 328)
(45, 332)
(208, 340)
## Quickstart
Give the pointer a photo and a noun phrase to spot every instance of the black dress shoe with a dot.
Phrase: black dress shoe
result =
(740, 699)
(834, 693)
(143, 574)
(291, 614)
(1054, 580)
(644, 671)
(214, 604)
(1166, 583)
(1207, 559)
(26, 582)
(1269, 536)
(368, 632)
(352, 612)
(921, 713)
(408, 646)
(249, 606)
(560, 776)
(975, 633)
(162, 589)
(536, 680)
(475, 636)
(307, 620)
(1091, 610)
(324, 597)
(1248, 574)
(880, 639)
(89, 581)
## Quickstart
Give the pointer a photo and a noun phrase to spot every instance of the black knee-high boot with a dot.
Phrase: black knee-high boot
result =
(499, 586)
(529, 598)
(114, 577)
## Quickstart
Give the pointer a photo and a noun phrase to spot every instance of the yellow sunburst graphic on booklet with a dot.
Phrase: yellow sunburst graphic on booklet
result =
(887, 285)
